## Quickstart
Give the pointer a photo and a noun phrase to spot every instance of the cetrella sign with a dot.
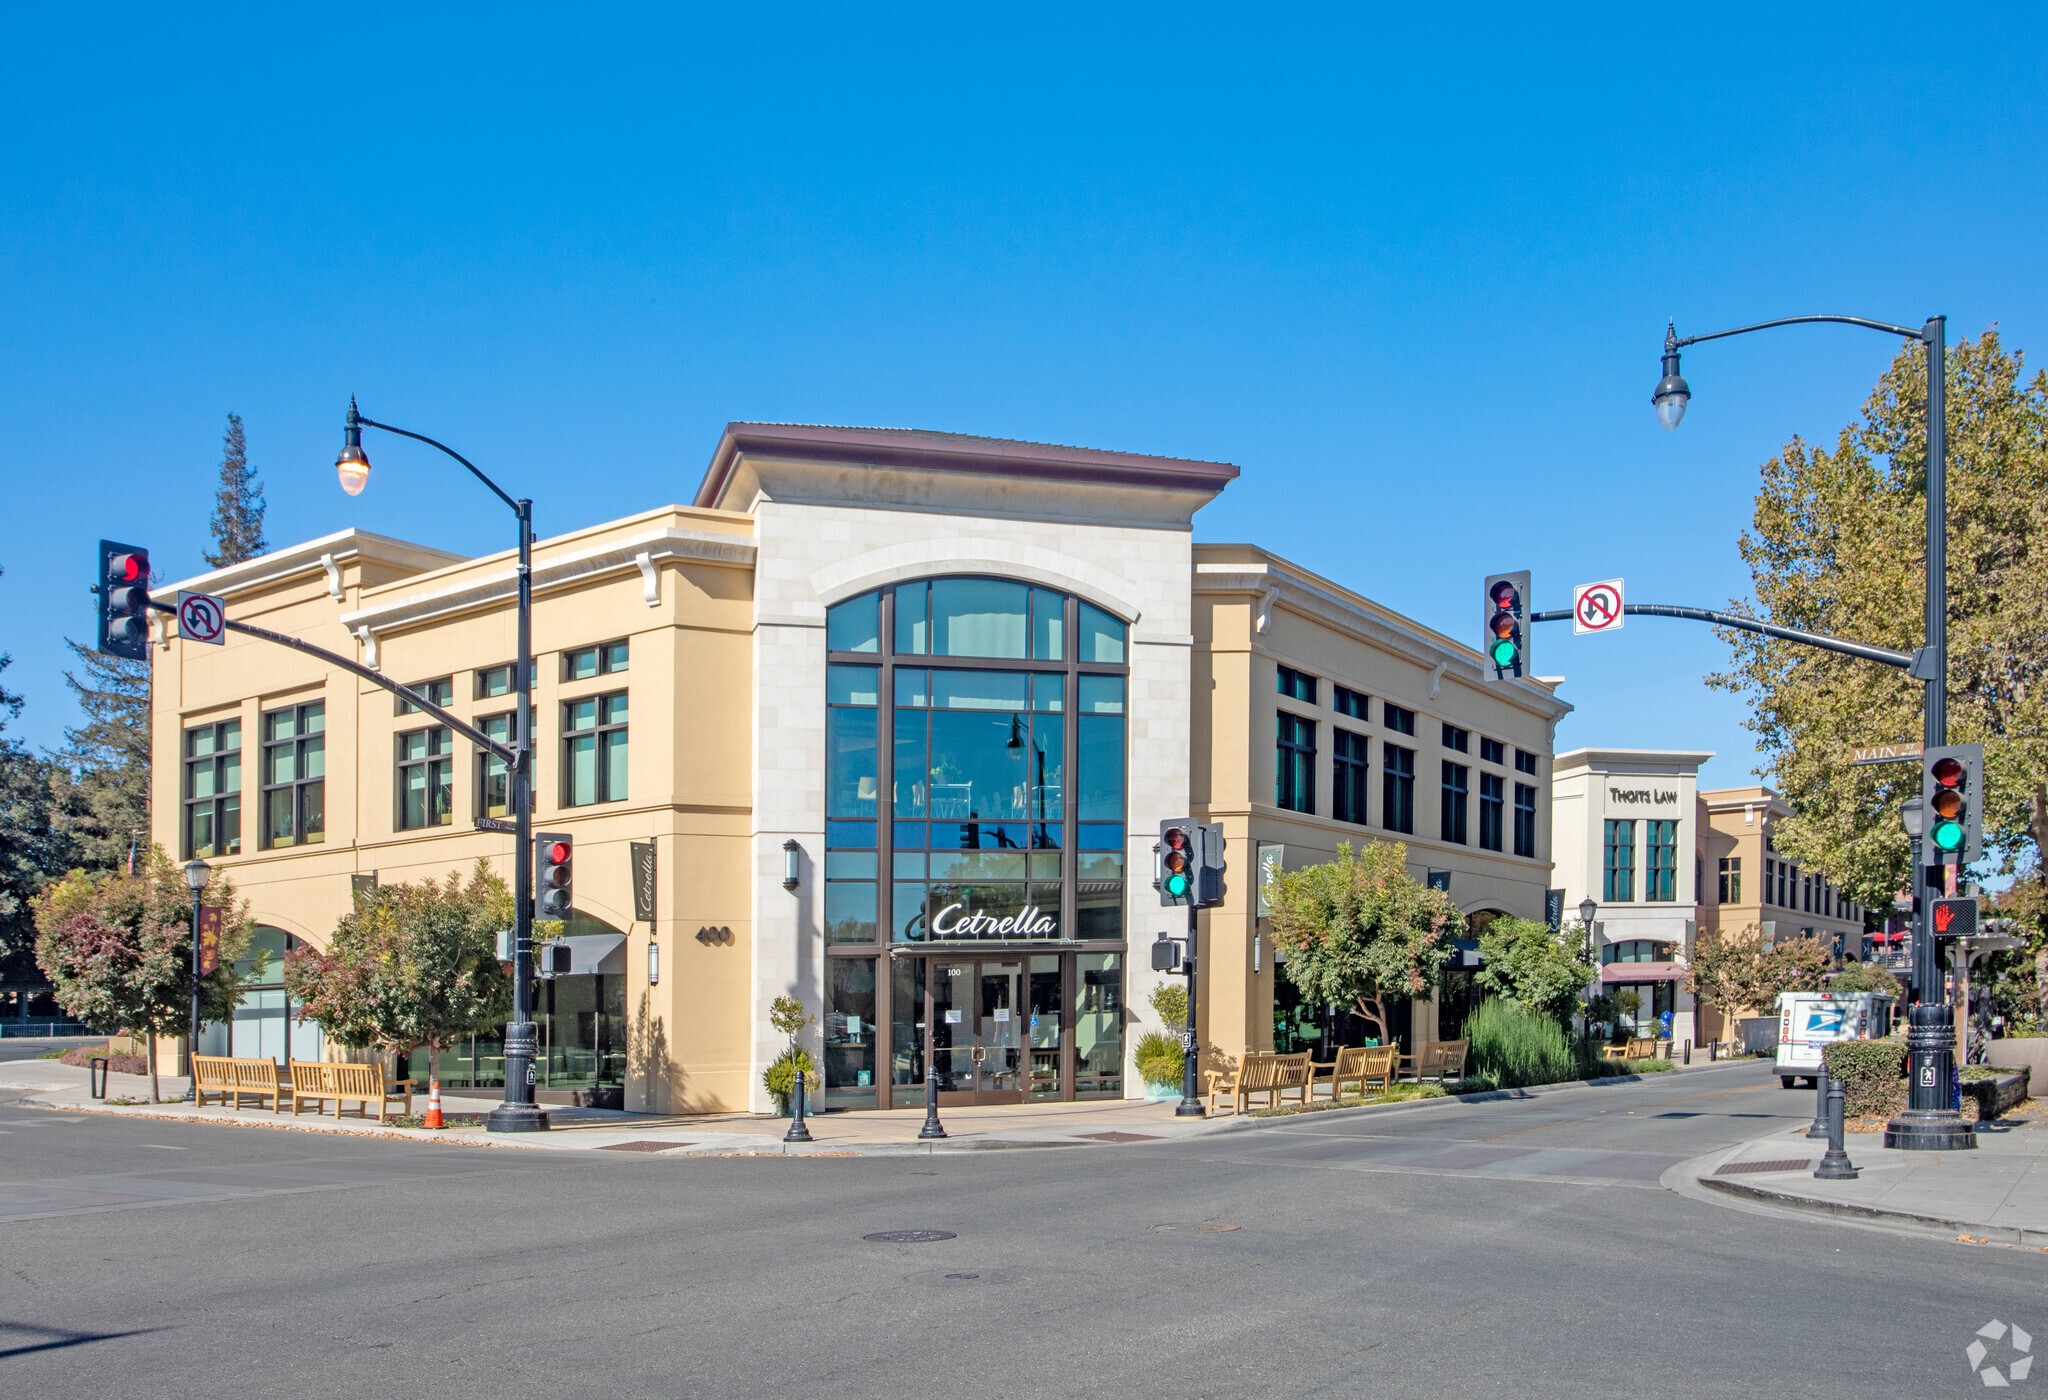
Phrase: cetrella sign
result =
(1028, 922)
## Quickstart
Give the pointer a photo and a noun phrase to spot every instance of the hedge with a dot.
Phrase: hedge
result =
(1872, 1075)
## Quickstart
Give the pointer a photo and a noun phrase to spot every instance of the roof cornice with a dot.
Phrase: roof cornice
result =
(323, 553)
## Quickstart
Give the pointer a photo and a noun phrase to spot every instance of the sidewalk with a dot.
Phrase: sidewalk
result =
(1997, 1194)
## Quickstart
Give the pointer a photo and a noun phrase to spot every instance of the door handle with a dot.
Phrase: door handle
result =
(978, 1053)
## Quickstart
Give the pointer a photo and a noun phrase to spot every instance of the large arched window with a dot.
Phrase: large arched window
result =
(975, 770)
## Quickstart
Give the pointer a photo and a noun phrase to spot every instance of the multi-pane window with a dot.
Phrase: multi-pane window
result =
(585, 662)
(1618, 863)
(494, 681)
(1456, 738)
(440, 692)
(1348, 773)
(1525, 819)
(1492, 750)
(1294, 783)
(294, 775)
(494, 775)
(1525, 762)
(426, 779)
(1492, 802)
(213, 790)
(1456, 776)
(1731, 880)
(1397, 718)
(1350, 702)
(1770, 874)
(594, 750)
(1660, 861)
(1397, 787)
(1297, 685)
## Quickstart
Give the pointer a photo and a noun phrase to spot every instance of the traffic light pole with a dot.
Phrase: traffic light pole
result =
(1190, 1039)
(518, 1113)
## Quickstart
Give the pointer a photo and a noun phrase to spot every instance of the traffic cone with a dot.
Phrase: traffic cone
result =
(433, 1119)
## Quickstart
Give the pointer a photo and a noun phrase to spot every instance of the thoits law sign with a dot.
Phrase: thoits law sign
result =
(1596, 607)
(202, 617)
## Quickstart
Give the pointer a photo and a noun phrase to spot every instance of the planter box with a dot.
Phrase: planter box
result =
(1995, 1096)
(2027, 1053)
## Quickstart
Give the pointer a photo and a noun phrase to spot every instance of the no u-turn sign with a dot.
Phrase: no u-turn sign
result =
(1596, 607)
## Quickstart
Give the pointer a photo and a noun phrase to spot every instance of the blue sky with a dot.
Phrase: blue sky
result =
(1410, 273)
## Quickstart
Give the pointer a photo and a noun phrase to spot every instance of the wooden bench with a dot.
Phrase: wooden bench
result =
(361, 1085)
(231, 1079)
(1442, 1060)
(1262, 1072)
(1642, 1047)
(1364, 1065)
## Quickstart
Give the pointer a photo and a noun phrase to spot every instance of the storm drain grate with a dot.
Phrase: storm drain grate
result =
(909, 1236)
(1122, 1137)
(1787, 1164)
(641, 1146)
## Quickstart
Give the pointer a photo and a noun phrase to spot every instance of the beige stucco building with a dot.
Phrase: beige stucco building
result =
(963, 679)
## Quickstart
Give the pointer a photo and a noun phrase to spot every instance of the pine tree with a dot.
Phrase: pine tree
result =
(104, 806)
(31, 849)
(238, 505)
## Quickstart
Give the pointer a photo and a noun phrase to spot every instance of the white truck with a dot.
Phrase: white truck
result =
(1810, 1021)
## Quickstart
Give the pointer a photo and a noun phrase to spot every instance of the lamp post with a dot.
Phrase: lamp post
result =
(517, 1113)
(197, 873)
(1929, 1123)
(1588, 907)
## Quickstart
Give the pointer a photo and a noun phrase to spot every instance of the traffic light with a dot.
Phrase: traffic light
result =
(124, 600)
(1952, 787)
(1210, 890)
(1179, 851)
(554, 858)
(1505, 639)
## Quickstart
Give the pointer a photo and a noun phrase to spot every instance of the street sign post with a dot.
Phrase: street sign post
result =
(1596, 607)
(203, 617)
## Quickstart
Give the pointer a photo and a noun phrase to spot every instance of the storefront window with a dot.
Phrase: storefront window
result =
(850, 1032)
(1099, 1027)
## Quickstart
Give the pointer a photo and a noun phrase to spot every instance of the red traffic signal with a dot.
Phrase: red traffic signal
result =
(124, 600)
(554, 896)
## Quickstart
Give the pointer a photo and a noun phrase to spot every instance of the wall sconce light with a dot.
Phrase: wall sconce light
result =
(653, 963)
(790, 850)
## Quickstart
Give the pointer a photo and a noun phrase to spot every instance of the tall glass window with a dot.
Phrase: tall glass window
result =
(1457, 778)
(294, 775)
(1294, 764)
(1525, 820)
(1618, 862)
(1348, 774)
(1660, 861)
(213, 790)
(1492, 792)
(594, 752)
(426, 783)
(1397, 787)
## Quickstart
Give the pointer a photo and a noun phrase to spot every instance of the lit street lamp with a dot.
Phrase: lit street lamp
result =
(517, 1113)
(1928, 1123)
(197, 872)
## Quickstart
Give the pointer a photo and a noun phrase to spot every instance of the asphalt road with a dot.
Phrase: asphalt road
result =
(1517, 1247)
(30, 1047)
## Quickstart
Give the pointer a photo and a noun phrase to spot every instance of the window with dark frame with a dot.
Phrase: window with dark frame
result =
(1349, 772)
(1294, 784)
(1525, 762)
(1350, 702)
(1296, 685)
(1456, 738)
(1492, 810)
(494, 775)
(1492, 750)
(594, 752)
(440, 692)
(608, 659)
(1731, 880)
(1397, 787)
(293, 774)
(1525, 820)
(1618, 862)
(426, 778)
(1660, 861)
(1397, 718)
(213, 790)
(1451, 817)
(494, 681)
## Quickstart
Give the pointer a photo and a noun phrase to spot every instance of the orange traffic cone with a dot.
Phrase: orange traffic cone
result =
(433, 1119)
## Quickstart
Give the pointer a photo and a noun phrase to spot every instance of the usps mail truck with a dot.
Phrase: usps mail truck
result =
(1808, 1022)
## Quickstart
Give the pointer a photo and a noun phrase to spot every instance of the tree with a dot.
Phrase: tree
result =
(1731, 971)
(1359, 929)
(1528, 964)
(1837, 545)
(119, 950)
(789, 1016)
(1863, 977)
(32, 850)
(238, 504)
(410, 966)
(102, 798)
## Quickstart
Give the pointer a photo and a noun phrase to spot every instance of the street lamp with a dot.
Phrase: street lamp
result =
(197, 872)
(1928, 1124)
(1588, 907)
(517, 1113)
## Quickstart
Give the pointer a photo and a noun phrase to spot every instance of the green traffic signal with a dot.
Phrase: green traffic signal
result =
(1504, 652)
(1947, 836)
(1176, 885)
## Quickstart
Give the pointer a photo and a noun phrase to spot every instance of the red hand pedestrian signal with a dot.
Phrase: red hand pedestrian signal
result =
(1944, 915)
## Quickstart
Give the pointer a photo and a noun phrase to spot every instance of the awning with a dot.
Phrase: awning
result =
(1642, 972)
(595, 953)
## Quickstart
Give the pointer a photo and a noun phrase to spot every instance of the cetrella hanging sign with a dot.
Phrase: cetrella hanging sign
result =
(1028, 922)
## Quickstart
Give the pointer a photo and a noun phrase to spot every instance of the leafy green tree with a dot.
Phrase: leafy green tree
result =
(789, 1016)
(1528, 964)
(238, 504)
(1863, 977)
(1359, 929)
(1837, 546)
(32, 849)
(410, 966)
(1732, 972)
(119, 950)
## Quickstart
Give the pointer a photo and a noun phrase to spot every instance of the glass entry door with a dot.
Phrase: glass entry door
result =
(974, 1021)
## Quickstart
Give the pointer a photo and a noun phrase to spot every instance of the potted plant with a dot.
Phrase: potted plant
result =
(787, 1015)
(1159, 1054)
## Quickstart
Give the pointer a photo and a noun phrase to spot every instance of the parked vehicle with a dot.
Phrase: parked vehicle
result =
(1808, 1022)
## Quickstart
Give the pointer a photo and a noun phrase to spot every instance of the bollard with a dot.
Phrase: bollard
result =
(1820, 1101)
(96, 1076)
(797, 1131)
(1688, 1050)
(932, 1128)
(1835, 1166)
(1713, 1051)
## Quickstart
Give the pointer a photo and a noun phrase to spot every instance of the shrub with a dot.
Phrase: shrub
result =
(1863, 977)
(1872, 1074)
(1159, 1058)
(1170, 1000)
(780, 1077)
(1512, 1046)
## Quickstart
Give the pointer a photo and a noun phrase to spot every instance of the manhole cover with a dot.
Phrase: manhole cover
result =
(648, 1146)
(1121, 1137)
(1197, 1227)
(1788, 1164)
(908, 1236)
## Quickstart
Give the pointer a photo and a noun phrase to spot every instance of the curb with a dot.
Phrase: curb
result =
(1995, 1234)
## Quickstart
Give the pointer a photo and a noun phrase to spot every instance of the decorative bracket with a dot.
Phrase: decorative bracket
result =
(1267, 598)
(1436, 678)
(650, 578)
(368, 638)
(333, 576)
